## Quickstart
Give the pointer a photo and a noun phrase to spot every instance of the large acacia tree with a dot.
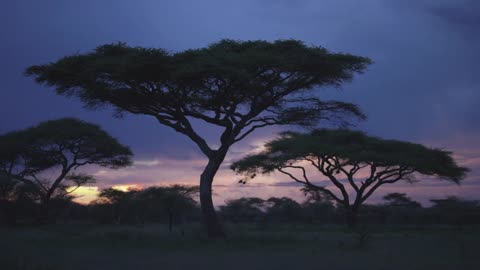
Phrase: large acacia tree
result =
(48, 154)
(355, 164)
(237, 86)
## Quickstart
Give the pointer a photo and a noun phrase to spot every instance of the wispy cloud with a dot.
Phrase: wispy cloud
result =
(147, 163)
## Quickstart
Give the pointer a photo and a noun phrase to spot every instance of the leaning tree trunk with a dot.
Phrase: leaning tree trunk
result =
(210, 219)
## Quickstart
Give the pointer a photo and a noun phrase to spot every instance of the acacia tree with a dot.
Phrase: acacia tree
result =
(243, 209)
(237, 86)
(175, 200)
(146, 204)
(122, 205)
(48, 154)
(351, 161)
(400, 200)
(15, 198)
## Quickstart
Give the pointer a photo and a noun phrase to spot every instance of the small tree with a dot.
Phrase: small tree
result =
(237, 86)
(246, 209)
(396, 199)
(399, 207)
(175, 200)
(341, 156)
(122, 206)
(58, 148)
(455, 211)
(283, 209)
(148, 204)
(318, 206)
(16, 199)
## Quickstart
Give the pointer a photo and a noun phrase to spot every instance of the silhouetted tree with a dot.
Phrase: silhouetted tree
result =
(455, 211)
(237, 86)
(17, 198)
(284, 209)
(399, 207)
(175, 200)
(318, 206)
(58, 148)
(122, 206)
(248, 209)
(139, 206)
(400, 200)
(339, 155)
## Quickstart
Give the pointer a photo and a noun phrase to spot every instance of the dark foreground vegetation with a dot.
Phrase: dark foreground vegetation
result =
(249, 246)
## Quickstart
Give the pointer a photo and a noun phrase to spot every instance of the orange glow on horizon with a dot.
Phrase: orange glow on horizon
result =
(84, 195)
(127, 187)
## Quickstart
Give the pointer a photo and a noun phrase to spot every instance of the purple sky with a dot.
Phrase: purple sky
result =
(423, 86)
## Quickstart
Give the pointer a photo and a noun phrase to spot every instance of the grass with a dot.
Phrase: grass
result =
(247, 247)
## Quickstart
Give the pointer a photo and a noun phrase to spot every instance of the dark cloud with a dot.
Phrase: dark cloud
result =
(464, 15)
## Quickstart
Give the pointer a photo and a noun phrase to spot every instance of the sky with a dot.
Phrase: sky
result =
(423, 85)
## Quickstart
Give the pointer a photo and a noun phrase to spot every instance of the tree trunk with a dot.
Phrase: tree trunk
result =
(170, 221)
(9, 213)
(44, 211)
(210, 219)
(351, 217)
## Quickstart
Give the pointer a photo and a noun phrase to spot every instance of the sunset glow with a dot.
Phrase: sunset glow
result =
(85, 195)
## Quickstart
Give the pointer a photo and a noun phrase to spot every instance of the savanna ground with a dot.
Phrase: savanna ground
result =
(247, 247)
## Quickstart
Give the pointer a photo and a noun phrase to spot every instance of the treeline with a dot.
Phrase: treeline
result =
(21, 204)
(177, 204)
(396, 208)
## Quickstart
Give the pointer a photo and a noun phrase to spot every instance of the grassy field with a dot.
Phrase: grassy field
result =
(247, 247)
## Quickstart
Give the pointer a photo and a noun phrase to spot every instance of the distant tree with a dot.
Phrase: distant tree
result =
(340, 156)
(318, 206)
(400, 200)
(237, 86)
(455, 211)
(16, 199)
(122, 206)
(284, 209)
(399, 208)
(138, 206)
(58, 148)
(175, 200)
(248, 209)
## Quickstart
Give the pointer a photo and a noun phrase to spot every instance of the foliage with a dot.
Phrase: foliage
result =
(400, 200)
(17, 199)
(454, 210)
(340, 155)
(237, 86)
(229, 83)
(153, 204)
(58, 148)
(248, 209)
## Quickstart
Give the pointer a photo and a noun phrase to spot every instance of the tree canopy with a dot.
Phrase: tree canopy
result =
(339, 155)
(68, 143)
(229, 83)
(149, 204)
(59, 147)
(396, 199)
(239, 86)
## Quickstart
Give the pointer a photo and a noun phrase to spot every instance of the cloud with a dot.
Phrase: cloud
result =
(458, 13)
(147, 163)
